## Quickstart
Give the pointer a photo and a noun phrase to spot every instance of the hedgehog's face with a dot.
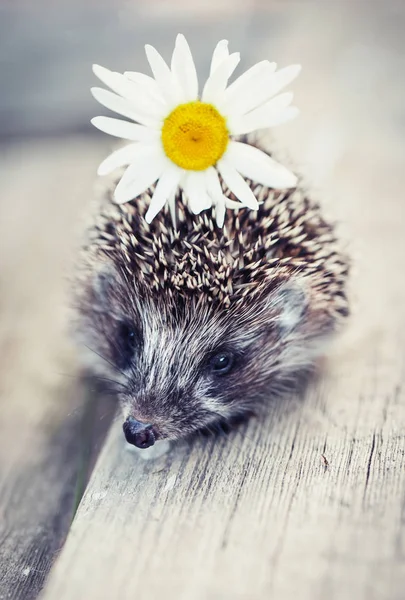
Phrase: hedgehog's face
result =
(182, 366)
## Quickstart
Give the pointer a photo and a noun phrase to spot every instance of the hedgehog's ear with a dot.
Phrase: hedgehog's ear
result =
(290, 303)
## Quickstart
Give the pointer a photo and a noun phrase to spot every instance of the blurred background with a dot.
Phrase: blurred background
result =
(349, 143)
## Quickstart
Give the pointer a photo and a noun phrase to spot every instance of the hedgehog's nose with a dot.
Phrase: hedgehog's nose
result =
(139, 434)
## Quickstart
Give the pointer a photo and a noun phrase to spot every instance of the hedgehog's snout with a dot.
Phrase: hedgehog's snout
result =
(141, 435)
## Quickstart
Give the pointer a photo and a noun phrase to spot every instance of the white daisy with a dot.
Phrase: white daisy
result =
(183, 139)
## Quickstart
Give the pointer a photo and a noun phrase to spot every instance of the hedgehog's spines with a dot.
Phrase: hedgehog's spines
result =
(285, 237)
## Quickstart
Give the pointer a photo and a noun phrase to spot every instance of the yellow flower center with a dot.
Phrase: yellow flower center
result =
(195, 136)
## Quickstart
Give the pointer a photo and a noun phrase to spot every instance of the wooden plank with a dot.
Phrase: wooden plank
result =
(47, 417)
(310, 503)
(259, 514)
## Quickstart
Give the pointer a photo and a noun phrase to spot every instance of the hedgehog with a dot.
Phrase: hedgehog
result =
(200, 327)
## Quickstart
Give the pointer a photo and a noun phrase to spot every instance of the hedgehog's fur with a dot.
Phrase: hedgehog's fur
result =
(265, 288)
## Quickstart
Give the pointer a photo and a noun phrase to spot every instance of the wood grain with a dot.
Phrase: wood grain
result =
(310, 503)
(258, 514)
(47, 417)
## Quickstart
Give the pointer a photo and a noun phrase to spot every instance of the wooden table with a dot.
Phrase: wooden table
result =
(309, 504)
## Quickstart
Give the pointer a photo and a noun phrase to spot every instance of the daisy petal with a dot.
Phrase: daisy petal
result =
(216, 83)
(253, 76)
(120, 105)
(272, 120)
(220, 209)
(147, 82)
(164, 78)
(260, 92)
(160, 70)
(236, 183)
(116, 81)
(195, 187)
(267, 115)
(136, 94)
(140, 175)
(172, 208)
(284, 77)
(167, 183)
(258, 166)
(120, 158)
(214, 189)
(220, 53)
(125, 130)
(232, 204)
(213, 185)
(109, 78)
(184, 69)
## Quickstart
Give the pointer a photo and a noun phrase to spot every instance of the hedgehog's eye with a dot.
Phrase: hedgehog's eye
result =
(221, 363)
(126, 341)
